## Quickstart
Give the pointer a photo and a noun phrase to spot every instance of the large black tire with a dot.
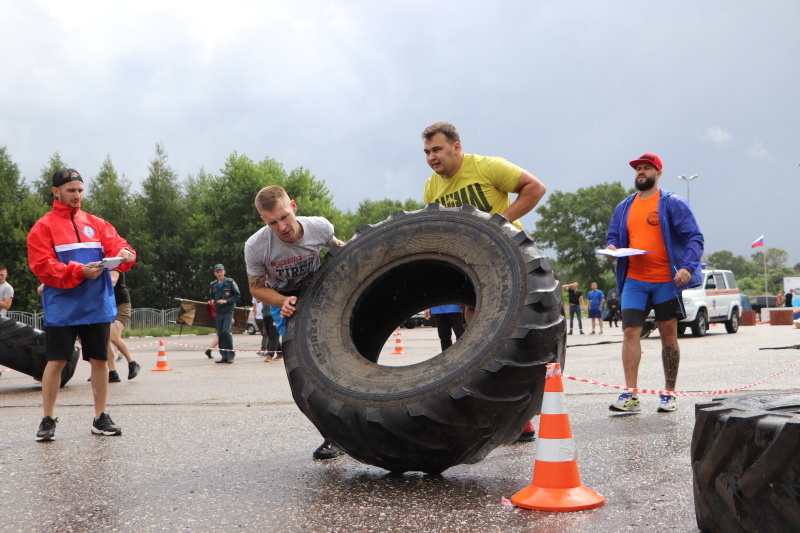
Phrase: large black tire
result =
(732, 325)
(746, 464)
(681, 329)
(459, 405)
(23, 348)
(700, 324)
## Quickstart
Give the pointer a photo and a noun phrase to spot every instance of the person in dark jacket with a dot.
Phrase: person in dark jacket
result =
(224, 293)
(662, 224)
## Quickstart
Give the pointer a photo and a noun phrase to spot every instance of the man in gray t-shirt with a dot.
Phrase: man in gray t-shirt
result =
(6, 292)
(279, 256)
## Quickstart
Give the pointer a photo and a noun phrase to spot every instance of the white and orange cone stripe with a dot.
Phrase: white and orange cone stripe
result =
(161, 361)
(556, 484)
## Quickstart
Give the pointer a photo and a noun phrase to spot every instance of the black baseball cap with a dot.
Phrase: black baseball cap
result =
(65, 175)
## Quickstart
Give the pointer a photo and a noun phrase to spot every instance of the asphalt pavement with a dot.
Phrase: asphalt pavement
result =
(210, 447)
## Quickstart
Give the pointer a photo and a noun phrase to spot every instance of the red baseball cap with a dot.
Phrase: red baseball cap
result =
(648, 159)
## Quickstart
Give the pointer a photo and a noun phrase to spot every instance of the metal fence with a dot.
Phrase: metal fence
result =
(142, 318)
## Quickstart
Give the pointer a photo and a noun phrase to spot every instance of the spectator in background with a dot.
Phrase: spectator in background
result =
(123, 319)
(224, 292)
(271, 348)
(613, 309)
(576, 305)
(596, 299)
(779, 299)
(788, 299)
(6, 292)
(448, 318)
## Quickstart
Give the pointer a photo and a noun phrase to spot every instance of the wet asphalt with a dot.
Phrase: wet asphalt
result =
(209, 447)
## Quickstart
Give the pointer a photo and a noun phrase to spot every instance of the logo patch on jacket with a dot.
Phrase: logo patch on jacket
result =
(652, 218)
(88, 231)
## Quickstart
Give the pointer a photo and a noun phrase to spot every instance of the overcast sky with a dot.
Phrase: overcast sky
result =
(569, 90)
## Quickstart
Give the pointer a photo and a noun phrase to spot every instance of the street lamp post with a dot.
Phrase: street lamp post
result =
(687, 180)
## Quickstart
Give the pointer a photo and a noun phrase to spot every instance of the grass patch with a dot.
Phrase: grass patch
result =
(167, 332)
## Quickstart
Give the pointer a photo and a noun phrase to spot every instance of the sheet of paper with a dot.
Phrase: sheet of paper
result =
(110, 263)
(622, 252)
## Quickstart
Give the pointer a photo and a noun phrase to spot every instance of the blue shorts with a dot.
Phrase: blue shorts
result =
(596, 313)
(639, 297)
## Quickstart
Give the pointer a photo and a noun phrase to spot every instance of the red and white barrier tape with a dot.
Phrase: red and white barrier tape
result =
(680, 393)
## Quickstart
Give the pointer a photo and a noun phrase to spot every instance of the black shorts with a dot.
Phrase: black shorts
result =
(635, 318)
(61, 342)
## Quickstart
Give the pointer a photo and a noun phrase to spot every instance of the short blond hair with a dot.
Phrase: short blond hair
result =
(268, 197)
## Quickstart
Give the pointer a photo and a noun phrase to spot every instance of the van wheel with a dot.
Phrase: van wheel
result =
(458, 405)
(732, 325)
(700, 324)
(745, 458)
(681, 329)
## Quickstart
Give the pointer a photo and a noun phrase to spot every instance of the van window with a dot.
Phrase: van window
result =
(719, 280)
(729, 279)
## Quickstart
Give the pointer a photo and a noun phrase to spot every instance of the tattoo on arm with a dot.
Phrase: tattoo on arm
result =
(255, 281)
(671, 357)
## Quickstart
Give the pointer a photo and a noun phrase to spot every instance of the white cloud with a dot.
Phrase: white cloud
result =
(758, 151)
(716, 135)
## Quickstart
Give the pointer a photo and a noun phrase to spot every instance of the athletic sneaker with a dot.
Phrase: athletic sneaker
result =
(627, 403)
(105, 426)
(118, 359)
(133, 369)
(208, 354)
(667, 404)
(570, 332)
(47, 429)
(113, 376)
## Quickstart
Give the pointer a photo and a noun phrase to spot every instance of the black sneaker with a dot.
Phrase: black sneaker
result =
(133, 369)
(208, 354)
(47, 429)
(228, 360)
(105, 426)
(113, 376)
(327, 450)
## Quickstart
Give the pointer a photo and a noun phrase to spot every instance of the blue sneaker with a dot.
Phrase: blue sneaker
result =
(626, 403)
(667, 404)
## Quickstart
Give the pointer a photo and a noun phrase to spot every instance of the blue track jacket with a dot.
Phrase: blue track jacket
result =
(682, 237)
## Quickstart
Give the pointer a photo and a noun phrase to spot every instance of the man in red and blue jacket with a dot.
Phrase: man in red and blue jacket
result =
(66, 249)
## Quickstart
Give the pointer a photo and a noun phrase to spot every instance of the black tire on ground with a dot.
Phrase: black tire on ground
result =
(251, 329)
(23, 348)
(648, 328)
(746, 463)
(700, 324)
(681, 329)
(459, 405)
(732, 325)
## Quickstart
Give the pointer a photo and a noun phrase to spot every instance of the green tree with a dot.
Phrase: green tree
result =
(108, 197)
(738, 264)
(163, 267)
(20, 210)
(372, 212)
(43, 185)
(575, 225)
(775, 258)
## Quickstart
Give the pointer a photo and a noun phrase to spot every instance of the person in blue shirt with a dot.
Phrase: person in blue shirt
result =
(447, 318)
(224, 293)
(596, 299)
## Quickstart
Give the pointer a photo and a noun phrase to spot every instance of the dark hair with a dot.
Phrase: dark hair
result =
(448, 129)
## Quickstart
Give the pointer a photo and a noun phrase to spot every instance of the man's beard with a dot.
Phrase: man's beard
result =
(645, 185)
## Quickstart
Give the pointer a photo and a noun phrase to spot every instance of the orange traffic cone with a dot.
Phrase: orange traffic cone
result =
(556, 484)
(398, 347)
(161, 362)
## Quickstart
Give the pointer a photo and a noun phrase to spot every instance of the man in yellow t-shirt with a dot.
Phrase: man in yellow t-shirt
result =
(480, 181)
